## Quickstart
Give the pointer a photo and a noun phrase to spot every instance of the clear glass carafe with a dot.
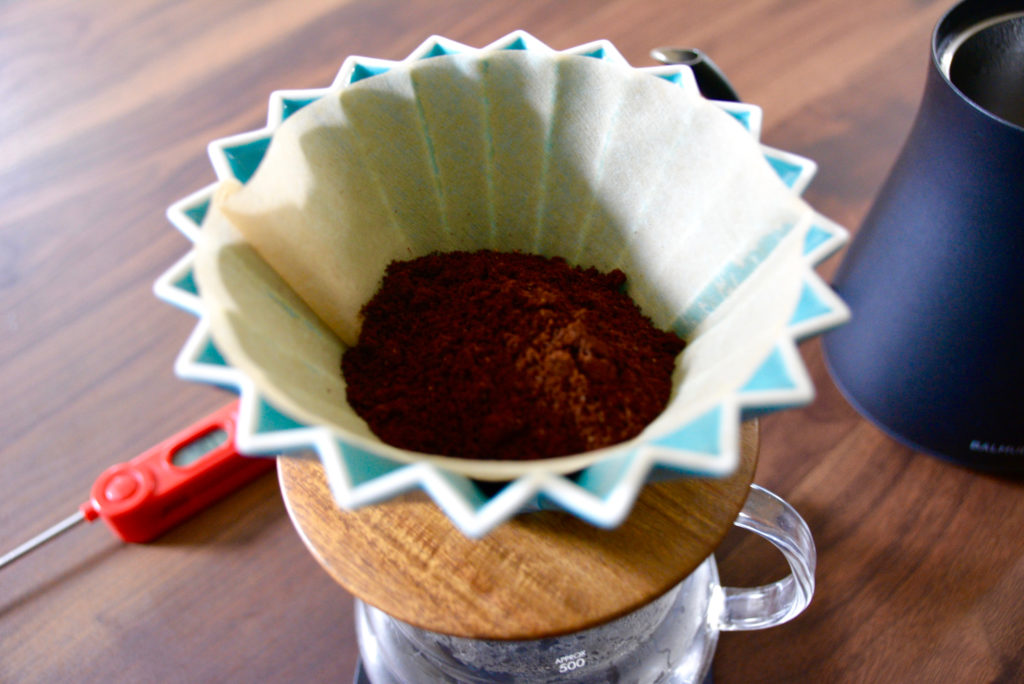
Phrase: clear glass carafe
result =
(670, 640)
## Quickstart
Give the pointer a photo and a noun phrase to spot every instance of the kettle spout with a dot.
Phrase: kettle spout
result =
(712, 82)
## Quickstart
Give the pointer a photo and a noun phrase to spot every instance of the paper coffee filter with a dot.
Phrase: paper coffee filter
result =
(561, 155)
(552, 154)
(511, 147)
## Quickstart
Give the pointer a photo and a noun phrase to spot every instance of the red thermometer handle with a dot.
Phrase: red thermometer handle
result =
(144, 497)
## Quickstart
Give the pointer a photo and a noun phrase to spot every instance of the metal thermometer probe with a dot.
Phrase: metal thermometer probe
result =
(146, 496)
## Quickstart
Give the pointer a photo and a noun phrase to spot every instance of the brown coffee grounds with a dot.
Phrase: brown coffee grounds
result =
(497, 355)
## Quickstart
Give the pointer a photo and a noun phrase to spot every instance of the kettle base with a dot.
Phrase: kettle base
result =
(992, 459)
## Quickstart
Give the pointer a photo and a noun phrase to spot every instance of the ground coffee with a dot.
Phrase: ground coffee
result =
(498, 355)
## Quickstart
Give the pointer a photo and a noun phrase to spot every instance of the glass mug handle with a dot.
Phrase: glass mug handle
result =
(747, 608)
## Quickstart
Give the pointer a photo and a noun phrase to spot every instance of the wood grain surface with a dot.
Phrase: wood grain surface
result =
(105, 114)
(543, 574)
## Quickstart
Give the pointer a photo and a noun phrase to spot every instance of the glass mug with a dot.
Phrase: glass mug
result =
(670, 640)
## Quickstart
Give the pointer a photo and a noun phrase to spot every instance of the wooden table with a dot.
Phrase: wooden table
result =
(106, 111)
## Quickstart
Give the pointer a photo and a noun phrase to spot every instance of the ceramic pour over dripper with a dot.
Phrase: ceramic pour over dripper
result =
(511, 147)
